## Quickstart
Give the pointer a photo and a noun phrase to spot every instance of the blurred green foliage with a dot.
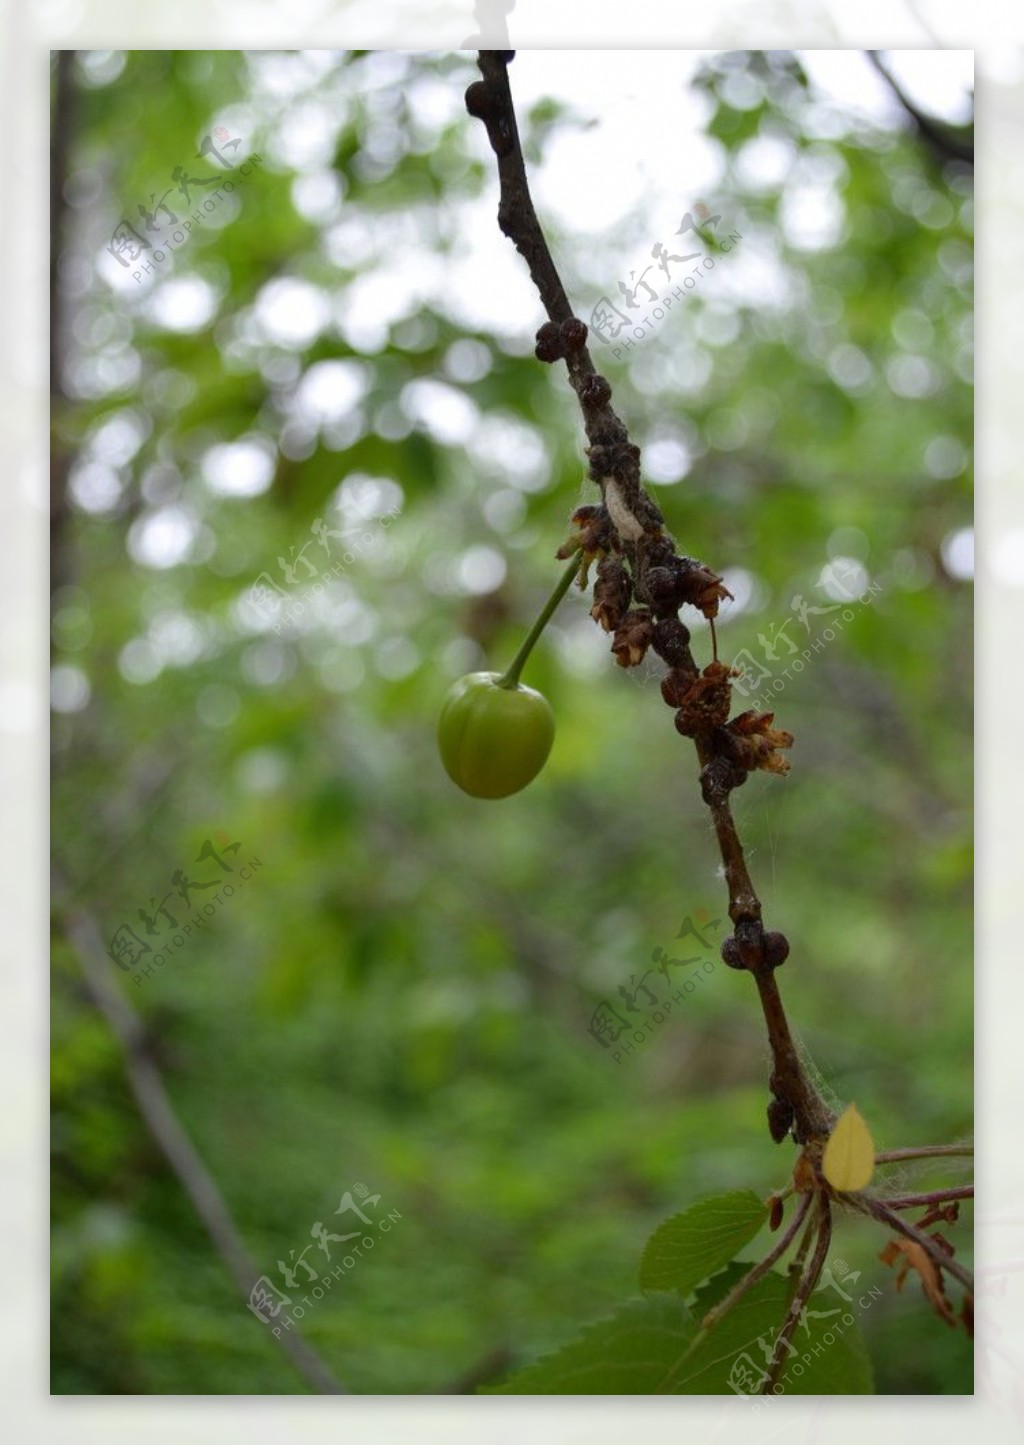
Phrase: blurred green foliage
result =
(401, 993)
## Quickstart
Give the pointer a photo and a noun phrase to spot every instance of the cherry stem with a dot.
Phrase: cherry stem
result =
(511, 677)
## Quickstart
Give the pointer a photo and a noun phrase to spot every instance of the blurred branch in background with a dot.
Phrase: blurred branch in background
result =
(944, 143)
(177, 1148)
(60, 458)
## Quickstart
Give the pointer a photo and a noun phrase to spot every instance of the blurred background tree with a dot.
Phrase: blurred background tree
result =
(338, 363)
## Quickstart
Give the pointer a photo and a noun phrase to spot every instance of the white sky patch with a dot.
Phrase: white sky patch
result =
(182, 303)
(69, 688)
(137, 663)
(163, 538)
(118, 438)
(844, 578)
(812, 216)
(292, 312)
(764, 162)
(176, 639)
(958, 553)
(330, 389)
(243, 468)
(317, 197)
(749, 594)
(362, 498)
(666, 461)
(594, 176)
(945, 457)
(938, 80)
(480, 569)
(445, 412)
(94, 487)
(512, 448)
(305, 136)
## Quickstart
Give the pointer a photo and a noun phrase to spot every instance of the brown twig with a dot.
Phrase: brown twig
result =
(879, 1209)
(635, 526)
(808, 1279)
(927, 1151)
(755, 1275)
(938, 1196)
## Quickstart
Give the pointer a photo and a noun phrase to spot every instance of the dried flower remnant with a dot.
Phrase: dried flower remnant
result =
(633, 637)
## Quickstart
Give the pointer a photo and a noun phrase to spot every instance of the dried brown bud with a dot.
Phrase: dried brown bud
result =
(707, 703)
(549, 343)
(595, 391)
(776, 949)
(478, 100)
(672, 643)
(776, 1209)
(780, 1119)
(633, 637)
(681, 579)
(612, 592)
(718, 778)
(752, 742)
(574, 334)
(750, 942)
(591, 530)
(662, 585)
(701, 587)
(731, 953)
(676, 684)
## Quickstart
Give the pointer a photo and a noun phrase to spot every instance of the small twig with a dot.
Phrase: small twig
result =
(755, 1275)
(927, 1151)
(177, 1148)
(943, 142)
(748, 1281)
(938, 1196)
(805, 1289)
(878, 1209)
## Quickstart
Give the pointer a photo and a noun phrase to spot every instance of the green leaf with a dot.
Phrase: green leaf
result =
(654, 1347)
(691, 1246)
(628, 1354)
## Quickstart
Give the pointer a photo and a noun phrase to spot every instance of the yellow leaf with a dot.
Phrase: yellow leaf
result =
(849, 1159)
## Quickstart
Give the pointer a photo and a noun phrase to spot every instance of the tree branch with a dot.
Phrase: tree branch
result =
(629, 526)
(177, 1148)
(927, 1151)
(943, 142)
(808, 1279)
(60, 460)
(879, 1209)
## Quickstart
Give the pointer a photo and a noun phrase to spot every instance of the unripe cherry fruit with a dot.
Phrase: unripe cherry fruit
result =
(494, 740)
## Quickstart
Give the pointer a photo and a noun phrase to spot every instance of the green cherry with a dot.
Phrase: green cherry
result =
(494, 733)
(494, 739)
